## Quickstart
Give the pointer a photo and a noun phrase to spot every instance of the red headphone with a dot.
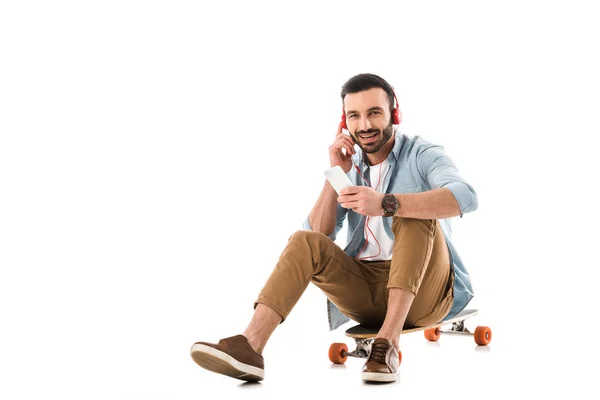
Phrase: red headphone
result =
(396, 115)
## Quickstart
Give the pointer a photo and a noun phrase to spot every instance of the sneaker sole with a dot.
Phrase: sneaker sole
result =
(222, 363)
(378, 377)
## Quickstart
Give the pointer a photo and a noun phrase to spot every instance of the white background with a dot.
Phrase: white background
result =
(155, 157)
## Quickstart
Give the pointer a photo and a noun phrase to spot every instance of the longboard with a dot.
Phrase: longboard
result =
(365, 335)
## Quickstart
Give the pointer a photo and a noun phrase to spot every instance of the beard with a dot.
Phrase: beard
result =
(377, 145)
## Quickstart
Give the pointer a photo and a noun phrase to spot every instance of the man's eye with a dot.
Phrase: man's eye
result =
(375, 113)
(352, 116)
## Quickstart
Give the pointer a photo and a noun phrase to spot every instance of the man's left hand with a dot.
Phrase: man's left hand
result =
(362, 199)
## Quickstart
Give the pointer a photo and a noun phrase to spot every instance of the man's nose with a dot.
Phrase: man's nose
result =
(364, 124)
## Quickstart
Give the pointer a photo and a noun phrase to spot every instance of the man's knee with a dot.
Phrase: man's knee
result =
(302, 236)
(309, 244)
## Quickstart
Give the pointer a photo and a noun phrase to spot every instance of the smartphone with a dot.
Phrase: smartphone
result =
(338, 178)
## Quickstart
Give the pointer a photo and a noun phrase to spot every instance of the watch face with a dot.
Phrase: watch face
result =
(390, 203)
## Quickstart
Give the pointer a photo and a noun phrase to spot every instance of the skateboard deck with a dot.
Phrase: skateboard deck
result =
(365, 335)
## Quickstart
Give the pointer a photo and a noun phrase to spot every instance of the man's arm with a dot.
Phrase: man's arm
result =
(450, 196)
(326, 213)
(433, 204)
(326, 217)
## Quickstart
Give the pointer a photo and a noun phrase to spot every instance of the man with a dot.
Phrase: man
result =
(399, 267)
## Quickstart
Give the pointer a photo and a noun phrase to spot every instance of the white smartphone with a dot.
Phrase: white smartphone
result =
(338, 178)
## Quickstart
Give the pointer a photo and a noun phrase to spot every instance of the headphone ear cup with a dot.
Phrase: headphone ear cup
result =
(344, 126)
(396, 116)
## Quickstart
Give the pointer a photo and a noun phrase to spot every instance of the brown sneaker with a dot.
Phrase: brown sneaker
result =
(232, 356)
(382, 365)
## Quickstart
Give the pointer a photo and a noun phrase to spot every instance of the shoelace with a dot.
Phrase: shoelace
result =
(378, 352)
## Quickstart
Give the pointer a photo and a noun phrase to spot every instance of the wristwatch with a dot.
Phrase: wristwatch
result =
(390, 205)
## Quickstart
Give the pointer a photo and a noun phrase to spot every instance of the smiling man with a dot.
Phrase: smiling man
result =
(399, 267)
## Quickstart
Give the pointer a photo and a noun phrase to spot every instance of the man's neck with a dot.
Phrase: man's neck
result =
(383, 153)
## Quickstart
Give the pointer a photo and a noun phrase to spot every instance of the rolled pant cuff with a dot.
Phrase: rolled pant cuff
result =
(409, 288)
(267, 303)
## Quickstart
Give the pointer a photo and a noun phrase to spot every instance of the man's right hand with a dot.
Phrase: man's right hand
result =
(336, 156)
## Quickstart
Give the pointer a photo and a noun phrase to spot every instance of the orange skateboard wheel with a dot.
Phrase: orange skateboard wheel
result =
(483, 335)
(338, 353)
(432, 334)
(399, 357)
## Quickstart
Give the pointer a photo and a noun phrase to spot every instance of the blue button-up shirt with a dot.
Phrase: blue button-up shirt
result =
(416, 165)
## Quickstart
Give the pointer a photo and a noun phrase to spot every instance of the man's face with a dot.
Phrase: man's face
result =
(368, 118)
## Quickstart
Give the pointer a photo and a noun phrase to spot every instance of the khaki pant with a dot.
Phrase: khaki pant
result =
(420, 263)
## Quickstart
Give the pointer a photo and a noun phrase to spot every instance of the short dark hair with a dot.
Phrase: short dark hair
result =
(361, 82)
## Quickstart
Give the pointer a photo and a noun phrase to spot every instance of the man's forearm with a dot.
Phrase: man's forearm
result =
(433, 204)
(322, 218)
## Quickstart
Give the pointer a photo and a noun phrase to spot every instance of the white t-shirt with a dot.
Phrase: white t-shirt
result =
(383, 250)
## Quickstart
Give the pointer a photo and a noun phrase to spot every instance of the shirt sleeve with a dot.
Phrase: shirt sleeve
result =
(438, 169)
(340, 216)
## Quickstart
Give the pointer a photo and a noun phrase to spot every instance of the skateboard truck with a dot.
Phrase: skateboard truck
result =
(482, 334)
(363, 348)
